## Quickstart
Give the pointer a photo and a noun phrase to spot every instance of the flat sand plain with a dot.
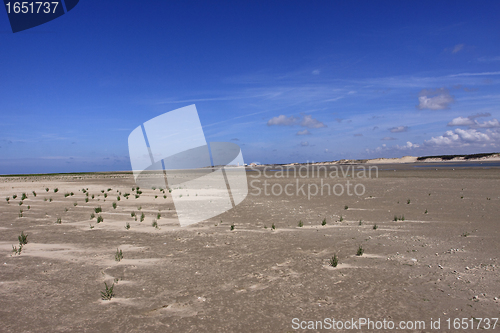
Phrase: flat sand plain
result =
(442, 261)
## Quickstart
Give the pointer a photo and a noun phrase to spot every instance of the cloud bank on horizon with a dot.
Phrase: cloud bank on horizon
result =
(289, 82)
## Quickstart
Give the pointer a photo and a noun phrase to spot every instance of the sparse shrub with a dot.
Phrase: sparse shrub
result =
(139, 208)
(360, 222)
(105, 195)
(14, 196)
(109, 189)
(132, 214)
(100, 219)
(102, 191)
(127, 226)
(118, 198)
(65, 209)
(323, 222)
(34, 194)
(375, 227)
(50, 199)
(334, 261)
(20, 203)
(46, 189)
(425, 211)
(107, 294)
(91, 226)
(56, 190)
(465, 234)
(24, 196)
(66, 195)
(346, 207)
(23, 239)
(58, 221)
(72, 194)
(341, 218)
(44, 199)
(118, 255)
(156, 197)
(164, 197)
(154, 224)
(114, 205)
(232, 227)
(142, 217)
(7, 199)
(29, 207)
(17, 250)
(300, 224)
(86, 199)
(402, 218)
(273, 227)
(92, 216)
(75, 204)
(98, 210)
(20, 213)
(360, 251)
(395, 218)
(158, 216)
(137, 196)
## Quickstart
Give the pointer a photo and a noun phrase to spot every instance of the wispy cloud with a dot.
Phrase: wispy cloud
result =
(310, 122)
(437, 99)
(399, 129)
(304, 132)
(457, 48)
(488, 59)
(307, 121)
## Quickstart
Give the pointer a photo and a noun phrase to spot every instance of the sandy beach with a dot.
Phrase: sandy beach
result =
(429, 238)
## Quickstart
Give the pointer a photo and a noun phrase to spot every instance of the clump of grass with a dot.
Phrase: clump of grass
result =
(56, 190)
(375, 227)
(118, 198)
(20, 213)
(20, 203)
(360, 251)
(34, 193)
(92, 216)
(23, 239)
(44, 199)
(323, 222)
(127, 226)
(400, 218)
(7, 199)
(75, 204)
(65, 209)
(346, 207)
(118, 255)
(408, 201)
(334, 261)
(300, 224)
(14, 196)
(154, 224)
(29, 207)
(137, 196)
(86, 199)
(46, 189)
(92, 196)
(114, 205)
(142, 217)
(102, 191)
(158, 216)
(109, 189)
(465, 234)
(100, 219)
(164, 197)
(91, 226)
(17, 250)
(58, 221)
(24, 196)
(107, 294)
(341, 218)
(156, 197)
(139, 208)
(232, 227)
(105, 195)
(98, 210)
(462, 197)
(360, 222)
(132, 214)
(273, 227)
(50, 199)
(425, 211)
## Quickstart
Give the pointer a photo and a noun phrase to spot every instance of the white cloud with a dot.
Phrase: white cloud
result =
(461, 121)
(408, 145)
(304, 143)
(310, 122)
(282, 120)
(398, 129)
(316, 72)
(488, 59)
(304, 132)
(437, 99)
(461, 137)
(458, 48)
(473, 123)
(387, 138)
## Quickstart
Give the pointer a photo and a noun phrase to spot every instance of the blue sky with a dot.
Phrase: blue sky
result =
(289, 81)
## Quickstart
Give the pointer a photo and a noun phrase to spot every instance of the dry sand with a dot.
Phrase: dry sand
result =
(442, 261)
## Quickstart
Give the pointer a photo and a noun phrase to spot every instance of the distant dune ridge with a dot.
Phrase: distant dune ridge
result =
(413, 159)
